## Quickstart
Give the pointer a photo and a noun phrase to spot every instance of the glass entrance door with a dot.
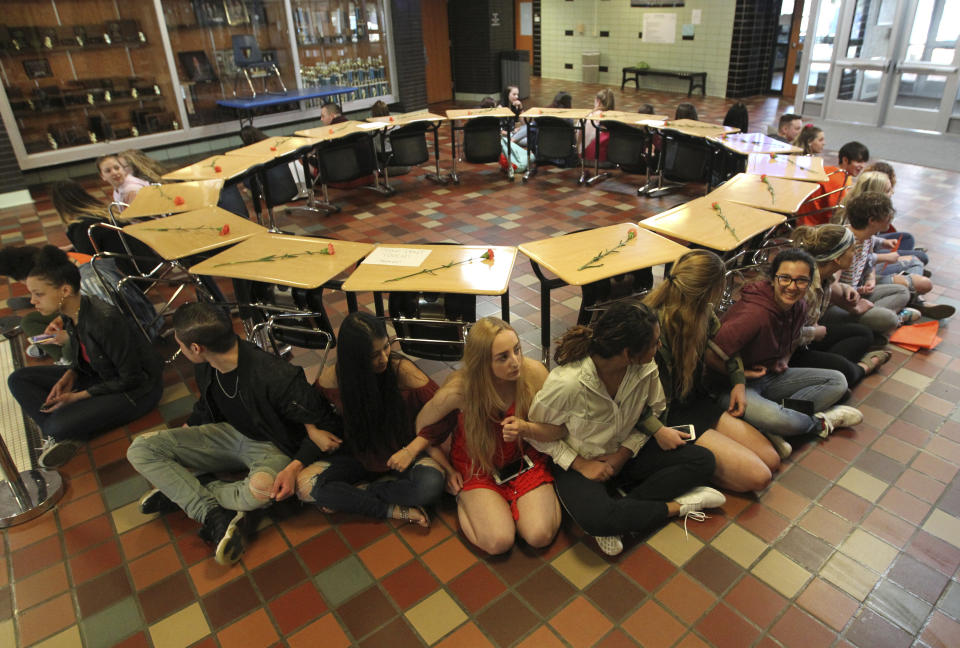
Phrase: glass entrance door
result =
(925, 73)
(860, 79)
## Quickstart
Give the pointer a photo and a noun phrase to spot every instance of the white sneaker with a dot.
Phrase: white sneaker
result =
(34, 351)
(56, 453)
(610, 545)
(702, 497)
(838, 416)
(783, 448)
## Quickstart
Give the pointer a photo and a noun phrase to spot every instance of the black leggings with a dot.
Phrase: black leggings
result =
(841, 349)
(652, 478)
(80, 420)
(418, 485)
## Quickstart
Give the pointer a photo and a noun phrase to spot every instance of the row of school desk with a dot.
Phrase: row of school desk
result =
(774, 187)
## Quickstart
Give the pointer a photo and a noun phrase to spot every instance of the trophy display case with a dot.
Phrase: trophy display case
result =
(84, 72)
(343, 42)
(201, 36)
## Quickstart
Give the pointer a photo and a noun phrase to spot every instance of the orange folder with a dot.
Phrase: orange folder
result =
(917, 336)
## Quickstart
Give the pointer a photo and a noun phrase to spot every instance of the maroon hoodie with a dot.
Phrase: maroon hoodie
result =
(757, 329)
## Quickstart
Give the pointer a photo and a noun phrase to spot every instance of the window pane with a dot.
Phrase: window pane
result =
(817, 82)
(859, 85)
(921, 91)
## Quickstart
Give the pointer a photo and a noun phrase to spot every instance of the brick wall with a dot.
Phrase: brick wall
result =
(11, 179)
(751, 47)
(408, 49)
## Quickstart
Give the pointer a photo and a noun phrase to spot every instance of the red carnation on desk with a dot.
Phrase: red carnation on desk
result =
(488, 255)
(273, 148)
(592, 263)
(631, 234)
(225, 229)
(217, 169)
(330, 248)
(726, 224)
(773, 156)
(178, 200)
(764, 180)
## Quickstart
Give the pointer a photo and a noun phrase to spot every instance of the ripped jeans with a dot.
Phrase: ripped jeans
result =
(171, 459)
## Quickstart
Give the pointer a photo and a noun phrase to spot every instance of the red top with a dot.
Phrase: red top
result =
(835, 180)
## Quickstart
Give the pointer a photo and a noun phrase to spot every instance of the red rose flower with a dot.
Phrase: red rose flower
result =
(178, 201)
(225, 229)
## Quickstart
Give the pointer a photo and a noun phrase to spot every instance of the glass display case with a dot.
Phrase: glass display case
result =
(209, 38)
(343, 42)
(77, 73)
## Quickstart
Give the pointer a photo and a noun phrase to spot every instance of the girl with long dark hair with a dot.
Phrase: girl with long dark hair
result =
(379, 394)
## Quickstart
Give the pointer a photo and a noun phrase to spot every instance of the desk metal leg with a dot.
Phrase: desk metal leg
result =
(437, 176)
(505, 306)
(454, 178)
(378, 303)
(545, 323)
(352, 306)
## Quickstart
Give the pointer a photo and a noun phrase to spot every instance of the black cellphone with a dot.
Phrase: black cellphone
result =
(512, 470)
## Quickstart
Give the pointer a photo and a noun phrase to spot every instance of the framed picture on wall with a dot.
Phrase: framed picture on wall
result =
(236, 12)
(196, 66)
(37, 68)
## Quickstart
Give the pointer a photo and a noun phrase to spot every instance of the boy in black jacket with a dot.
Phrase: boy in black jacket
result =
(255, 411)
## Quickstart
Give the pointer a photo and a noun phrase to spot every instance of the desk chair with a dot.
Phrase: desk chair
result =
(408, 147)
(555, 140)
(273, 184)
(275, 317)
(432, 325)
(748, 265)
(482, 141)
(345, 160)
(682, 159)
(247, 56)
(232, 200)
(627, 147)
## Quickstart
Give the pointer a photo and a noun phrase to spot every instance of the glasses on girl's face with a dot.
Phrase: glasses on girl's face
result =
(784, 280)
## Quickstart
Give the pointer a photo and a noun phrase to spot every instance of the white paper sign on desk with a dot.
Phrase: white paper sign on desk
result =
(392, 256)
(370, 125)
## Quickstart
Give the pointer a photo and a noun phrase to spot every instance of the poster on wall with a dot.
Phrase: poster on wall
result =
(660, 28)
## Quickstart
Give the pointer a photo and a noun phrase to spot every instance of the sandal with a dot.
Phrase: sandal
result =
(875, 359)
(404, 513)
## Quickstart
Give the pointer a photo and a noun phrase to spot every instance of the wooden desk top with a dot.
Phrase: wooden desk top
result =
(159, 200)
(749, 189)
(395, 121)
(697, 222)
(792, 167)
(563, 255)
(473, 113)
(181, 235)
(264, 257)
(631, 118)
(476, 277)
(562, 113)
(690, 127)
(230, 166)
(336, 131)
(273, 147)
(747, 143)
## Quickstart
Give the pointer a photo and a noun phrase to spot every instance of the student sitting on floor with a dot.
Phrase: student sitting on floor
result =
(606, 394)
(686, 110)
(255, 411)
(596, 149)
(843, 346)
(820, 207)
(788, 127)
(379, 394)
(113, 377)
(762, 327)
(125, 185)
(502, 484)
(684, 303)
(867, 215)
(811, 139)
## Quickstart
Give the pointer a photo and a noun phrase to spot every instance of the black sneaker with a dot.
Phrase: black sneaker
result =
(154, 501)
(57, 453)
(222, 528)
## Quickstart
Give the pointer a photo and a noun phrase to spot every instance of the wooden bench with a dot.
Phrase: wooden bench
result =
(697, 79)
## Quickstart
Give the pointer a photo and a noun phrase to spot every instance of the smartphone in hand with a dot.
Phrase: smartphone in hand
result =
(40, 338)
(689, 429)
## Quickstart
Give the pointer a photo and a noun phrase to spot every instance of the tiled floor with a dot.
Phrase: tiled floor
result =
(857, 542)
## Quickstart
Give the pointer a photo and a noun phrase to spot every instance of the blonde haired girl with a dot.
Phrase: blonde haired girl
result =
(503, 486)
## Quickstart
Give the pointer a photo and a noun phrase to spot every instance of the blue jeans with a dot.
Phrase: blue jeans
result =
(171, 459)
(907, 245)
(822, 387)
(419, 485)
(81, 420)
